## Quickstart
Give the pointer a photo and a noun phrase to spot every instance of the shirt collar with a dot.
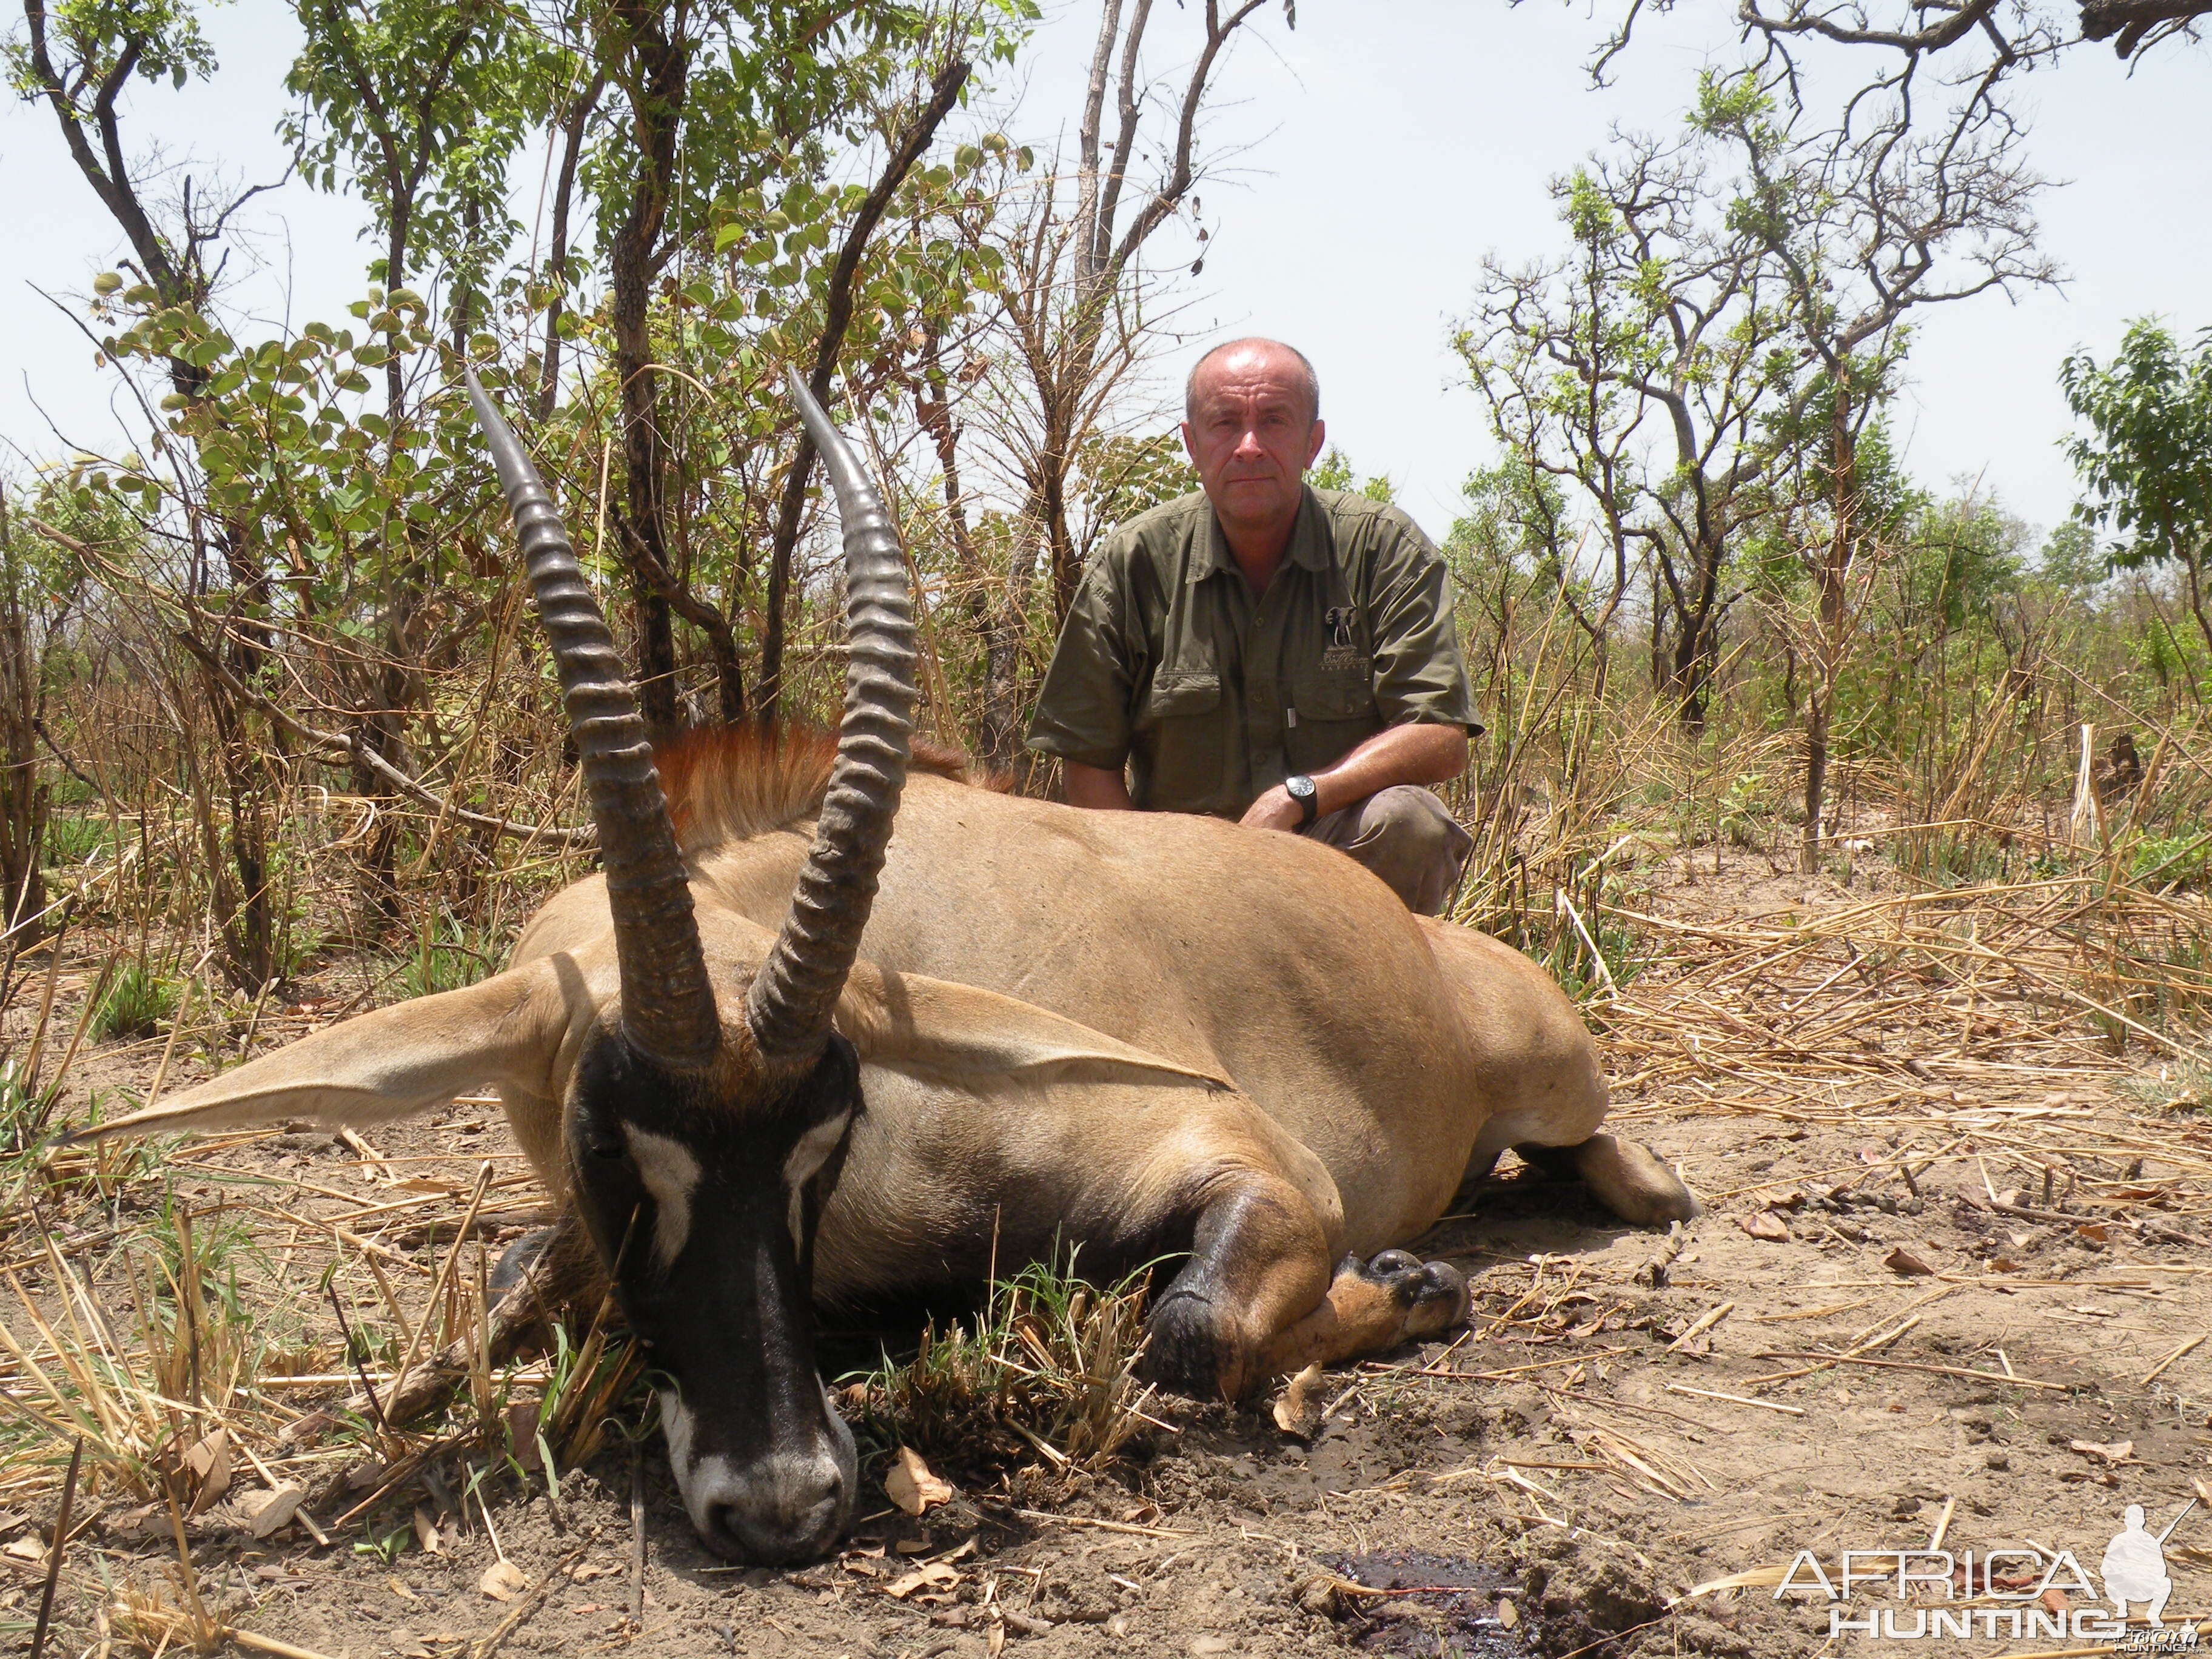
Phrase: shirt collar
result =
(1309, 541)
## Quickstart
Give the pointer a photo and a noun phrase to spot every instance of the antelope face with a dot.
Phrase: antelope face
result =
(704, 1213)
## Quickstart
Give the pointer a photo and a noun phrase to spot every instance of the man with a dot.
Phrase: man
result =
(1266, 651)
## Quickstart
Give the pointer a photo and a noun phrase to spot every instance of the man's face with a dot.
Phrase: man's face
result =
(1252, 434)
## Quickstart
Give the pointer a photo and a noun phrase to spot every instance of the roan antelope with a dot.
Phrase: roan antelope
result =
(765, 1062)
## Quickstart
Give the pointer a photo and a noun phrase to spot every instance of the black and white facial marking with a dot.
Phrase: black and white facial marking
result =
(718, 1201)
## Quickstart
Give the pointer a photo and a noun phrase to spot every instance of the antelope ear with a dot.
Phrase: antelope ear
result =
(912, 1023)
(380, 1066)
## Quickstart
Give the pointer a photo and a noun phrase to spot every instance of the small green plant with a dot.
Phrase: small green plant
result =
(135, 1002)
(74, 838)
(448, 955)
(585, 1384)
(2177, 861)
(1746, 807)
(389, 1548)
(2184, 1087)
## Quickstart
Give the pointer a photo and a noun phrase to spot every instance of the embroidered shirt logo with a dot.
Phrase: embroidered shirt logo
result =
(1342, 655)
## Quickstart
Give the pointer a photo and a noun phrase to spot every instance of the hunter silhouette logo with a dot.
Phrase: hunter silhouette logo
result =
(2135, 1564)
(1978, 1588)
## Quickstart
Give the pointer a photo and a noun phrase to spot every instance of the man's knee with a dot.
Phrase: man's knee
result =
(1406, 836)
(1408, 813)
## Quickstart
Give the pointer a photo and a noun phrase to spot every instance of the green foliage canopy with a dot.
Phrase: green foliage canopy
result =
(2148, 459)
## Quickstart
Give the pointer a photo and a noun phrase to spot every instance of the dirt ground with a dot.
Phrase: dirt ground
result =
(1954, 1297)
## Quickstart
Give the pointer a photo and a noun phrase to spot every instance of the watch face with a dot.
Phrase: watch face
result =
(1300, 787)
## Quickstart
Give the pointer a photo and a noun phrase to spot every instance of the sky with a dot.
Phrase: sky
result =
(1363, 166)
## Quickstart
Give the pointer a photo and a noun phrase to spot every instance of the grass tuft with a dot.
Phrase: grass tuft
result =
(135, 1002)
(1047, 1372)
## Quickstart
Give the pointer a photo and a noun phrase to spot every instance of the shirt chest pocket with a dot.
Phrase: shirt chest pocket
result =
(1178, 695)
(1177, 753)
(1335, 693)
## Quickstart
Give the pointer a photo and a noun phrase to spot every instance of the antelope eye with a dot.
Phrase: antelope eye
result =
(606, 1147)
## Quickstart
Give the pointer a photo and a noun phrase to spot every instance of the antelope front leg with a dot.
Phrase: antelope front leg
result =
(1372, 1306)
(1258, 1299)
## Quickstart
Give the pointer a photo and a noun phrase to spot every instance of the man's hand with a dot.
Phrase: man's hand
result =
(1273, 811)
(1403, 754)
(1096, 788)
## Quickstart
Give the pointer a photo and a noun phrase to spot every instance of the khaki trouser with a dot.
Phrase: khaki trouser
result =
(1405, 836)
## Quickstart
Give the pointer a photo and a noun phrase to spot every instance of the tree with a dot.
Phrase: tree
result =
(1970, 37)
(1071, 298)
(1662, 330)
(1866, 222)
(2147, 461)
(424, 103)
(80, 57)
(727, 142)
(421, 105)
(2070, 560)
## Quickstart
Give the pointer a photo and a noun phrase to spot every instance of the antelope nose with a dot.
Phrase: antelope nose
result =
(786, 1509)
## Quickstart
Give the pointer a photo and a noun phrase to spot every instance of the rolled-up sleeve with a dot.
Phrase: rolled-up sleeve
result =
(1082, 713)
(1421, 676)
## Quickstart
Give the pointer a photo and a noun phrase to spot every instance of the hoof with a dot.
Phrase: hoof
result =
(1432, 1295)
(517, 1260)
(1185, 1350)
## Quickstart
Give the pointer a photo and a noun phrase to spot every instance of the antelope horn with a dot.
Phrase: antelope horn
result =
(789, 1006)
(667, 1004)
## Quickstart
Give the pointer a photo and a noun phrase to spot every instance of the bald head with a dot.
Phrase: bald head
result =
(1252, 425)
(1239, 358)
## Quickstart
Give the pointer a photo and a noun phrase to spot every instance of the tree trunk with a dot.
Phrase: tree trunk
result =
(572, 126)
(1831, 626)
(660, 68)
(23, 795)
(837, 320)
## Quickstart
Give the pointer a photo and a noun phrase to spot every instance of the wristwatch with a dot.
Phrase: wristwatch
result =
(1302, 789)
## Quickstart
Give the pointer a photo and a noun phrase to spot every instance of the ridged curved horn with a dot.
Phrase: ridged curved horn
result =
(668, 1003)
(789, 1006)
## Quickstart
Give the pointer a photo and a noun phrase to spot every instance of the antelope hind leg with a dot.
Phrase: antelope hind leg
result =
(1627, 1178)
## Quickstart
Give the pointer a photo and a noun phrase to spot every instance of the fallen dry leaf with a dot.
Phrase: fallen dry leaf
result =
(930, 1574)
(274, 1509)
(1298, 1413)
(503, 1581)
(1902, 1260)
(1765, 1223)
(209, 1461)
(400, 1590)
(522, 1434)
(426, 1532)
(1507, 1614)
(2095, 1231)
(1788, 1199)
(911, 1485)
(2118, 1451)
(24, 1549)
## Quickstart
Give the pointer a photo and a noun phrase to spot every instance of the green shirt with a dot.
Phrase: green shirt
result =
(1167, 662)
